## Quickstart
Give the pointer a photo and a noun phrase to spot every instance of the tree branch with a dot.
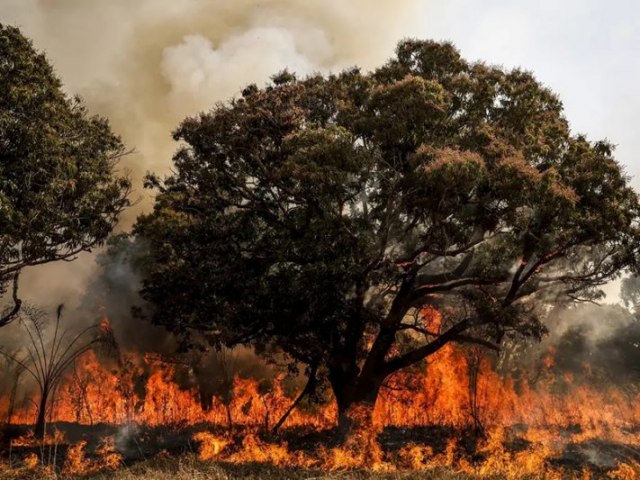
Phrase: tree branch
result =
(8, 317)
(418, 354)
(477, 239)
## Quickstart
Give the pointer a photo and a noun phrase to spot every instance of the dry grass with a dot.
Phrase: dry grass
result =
(190, 468)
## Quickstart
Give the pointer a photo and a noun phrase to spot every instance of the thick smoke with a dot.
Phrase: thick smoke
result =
(147, 64)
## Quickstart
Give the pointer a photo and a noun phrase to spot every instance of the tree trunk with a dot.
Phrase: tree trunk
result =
(357, 430)
(356, 403)
(356, 416)
(41, 421)
(308, 389)
(474, 364)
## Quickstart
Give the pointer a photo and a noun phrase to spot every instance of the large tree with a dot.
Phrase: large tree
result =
(59, 190)
(361, 221)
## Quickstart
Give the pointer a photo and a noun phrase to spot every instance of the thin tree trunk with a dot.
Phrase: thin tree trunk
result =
(475, 362)
(41, 421)
(227, 408)
(267, 415)
(307, 390)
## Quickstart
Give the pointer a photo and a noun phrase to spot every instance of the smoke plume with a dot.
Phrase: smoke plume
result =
(147, 64)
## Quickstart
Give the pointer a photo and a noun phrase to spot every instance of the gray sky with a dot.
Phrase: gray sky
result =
(146, 64)
(588, 51)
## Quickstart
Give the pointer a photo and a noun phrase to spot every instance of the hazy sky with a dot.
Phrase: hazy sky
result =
(147, 63)
(586, 50)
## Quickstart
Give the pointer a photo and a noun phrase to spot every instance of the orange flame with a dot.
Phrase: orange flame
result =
(443, 393)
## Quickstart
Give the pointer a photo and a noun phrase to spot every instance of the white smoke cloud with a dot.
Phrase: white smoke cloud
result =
(197, 70)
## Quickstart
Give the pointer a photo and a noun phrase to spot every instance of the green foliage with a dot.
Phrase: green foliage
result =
(321, 216)
(59, 193)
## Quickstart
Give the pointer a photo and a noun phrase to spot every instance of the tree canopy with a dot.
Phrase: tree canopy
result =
(361, 221)
(60, 193)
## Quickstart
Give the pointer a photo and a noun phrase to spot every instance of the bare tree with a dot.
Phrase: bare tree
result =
(46, 361)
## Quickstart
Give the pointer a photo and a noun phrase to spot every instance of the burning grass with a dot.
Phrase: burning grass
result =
(206, 452)
(190, 467)
(144, 391)
(110, 423)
